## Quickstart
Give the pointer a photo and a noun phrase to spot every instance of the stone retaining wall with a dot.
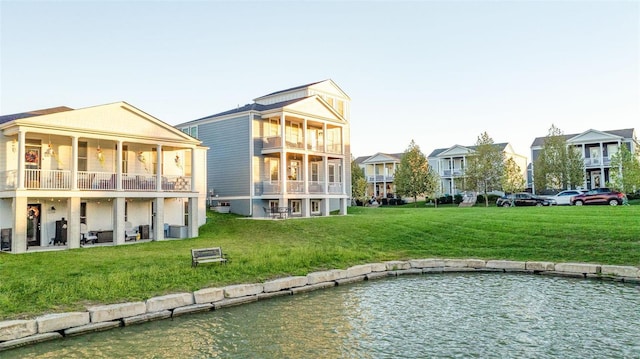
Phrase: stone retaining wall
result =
(16, 333)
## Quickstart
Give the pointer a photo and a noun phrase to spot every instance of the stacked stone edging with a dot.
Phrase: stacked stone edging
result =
(16, 333)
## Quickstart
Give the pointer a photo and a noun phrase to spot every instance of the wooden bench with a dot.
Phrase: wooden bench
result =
(207, 255)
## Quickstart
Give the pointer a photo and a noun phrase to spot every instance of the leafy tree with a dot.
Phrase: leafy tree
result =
(624, 175)
(558, 166)
(485, 167)
(512, 179)
(413, 176)
(358, 182)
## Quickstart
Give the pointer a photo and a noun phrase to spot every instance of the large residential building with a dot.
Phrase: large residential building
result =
(287, 151)
(379, 170)
(450, 164)
(94, 176)
(597, 148)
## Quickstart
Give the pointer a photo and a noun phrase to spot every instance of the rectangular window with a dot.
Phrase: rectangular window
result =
(125, 159)
(82, 156)
(330, 101)
(315, 207)
(274, 169)
(315, 172)
(340, 107)
(296, 206)
(154, 161)
(273, 127)
(185, 130)
(186, 212)
(273, 205)
(194, 131)
(332, 173)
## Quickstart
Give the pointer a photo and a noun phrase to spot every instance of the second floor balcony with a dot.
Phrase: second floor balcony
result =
(94, 181)
(452, 173)
(597, 161)
(380, 178)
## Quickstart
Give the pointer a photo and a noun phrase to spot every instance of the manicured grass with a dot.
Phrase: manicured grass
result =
(38, 283)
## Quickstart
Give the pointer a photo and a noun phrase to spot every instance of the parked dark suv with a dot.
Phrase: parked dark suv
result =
(599, 196)
(524, 199)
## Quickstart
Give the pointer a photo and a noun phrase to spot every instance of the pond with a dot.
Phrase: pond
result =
(462, 315)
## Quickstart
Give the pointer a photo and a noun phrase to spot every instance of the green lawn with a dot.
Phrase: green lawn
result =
(38, 283)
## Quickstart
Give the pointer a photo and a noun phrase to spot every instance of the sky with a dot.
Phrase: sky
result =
(437, 72)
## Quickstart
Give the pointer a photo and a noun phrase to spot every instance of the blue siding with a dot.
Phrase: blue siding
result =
(228, 158)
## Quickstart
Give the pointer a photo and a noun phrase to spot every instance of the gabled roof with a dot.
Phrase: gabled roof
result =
(113, 120)
(435, 153)
(248, 107)
(264, 108)
(383, 157)
(624, 133)
(290, 89)
(46, 111)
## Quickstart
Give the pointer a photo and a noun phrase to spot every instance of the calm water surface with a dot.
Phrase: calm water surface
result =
(430, 316)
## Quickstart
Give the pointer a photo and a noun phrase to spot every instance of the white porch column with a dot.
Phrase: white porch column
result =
(193, 217)
(194, 171)
(20, 177)
(74, 163)
(19, 230)
(306, 207)
(158, 219)
(119, 166)
(584, 156)
(118, 220)
(326, 175)
(343, 176)
(324, 138)
(305, 170)
(384, 180)
(602, 178)
(159, 168)
(73, 224)
(343, 206)
(283, 158)
(325, 208)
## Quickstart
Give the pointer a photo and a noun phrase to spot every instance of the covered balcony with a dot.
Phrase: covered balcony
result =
(298, 134)
(45, 162)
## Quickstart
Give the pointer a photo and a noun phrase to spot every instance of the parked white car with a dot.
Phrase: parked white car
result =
(564, 198)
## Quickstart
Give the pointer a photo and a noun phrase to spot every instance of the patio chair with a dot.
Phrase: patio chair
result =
(129, 232)
(86, 235)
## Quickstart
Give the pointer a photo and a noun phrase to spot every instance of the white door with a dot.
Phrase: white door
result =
(595, 179)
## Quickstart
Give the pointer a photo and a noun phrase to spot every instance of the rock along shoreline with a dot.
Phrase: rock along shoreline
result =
(17, 333)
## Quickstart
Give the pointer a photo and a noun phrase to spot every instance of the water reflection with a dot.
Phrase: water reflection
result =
(436, 316)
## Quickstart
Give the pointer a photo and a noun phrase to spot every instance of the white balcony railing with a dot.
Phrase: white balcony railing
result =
(93, 181)
(316, 187)
(275, 142)
(335, 187)
(597, 161)
(271, 187)
(295, 186)
(380, 178)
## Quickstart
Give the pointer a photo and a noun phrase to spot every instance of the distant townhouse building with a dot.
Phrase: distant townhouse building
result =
(597, 149)
(100, 175)
(379, 171)
(286, 150)
(450, 164)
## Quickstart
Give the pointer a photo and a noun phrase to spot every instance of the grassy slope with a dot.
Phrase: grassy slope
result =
(260, 250)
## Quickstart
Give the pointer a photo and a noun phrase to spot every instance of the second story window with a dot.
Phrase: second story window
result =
(82, 156)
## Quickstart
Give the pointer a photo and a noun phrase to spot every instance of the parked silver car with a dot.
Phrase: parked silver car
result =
(564, 198)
